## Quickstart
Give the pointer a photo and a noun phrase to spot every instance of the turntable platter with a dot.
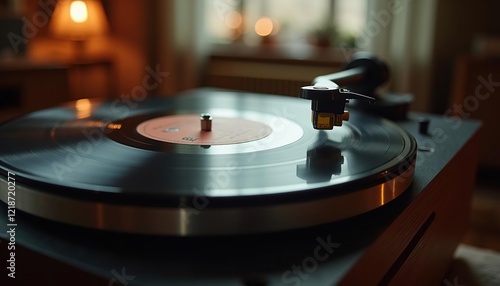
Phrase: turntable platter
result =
(150, 169)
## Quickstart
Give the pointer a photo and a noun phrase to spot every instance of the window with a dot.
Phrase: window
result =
(286, 21)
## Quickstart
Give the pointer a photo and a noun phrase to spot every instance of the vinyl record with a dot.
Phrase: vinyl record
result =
(148, 167)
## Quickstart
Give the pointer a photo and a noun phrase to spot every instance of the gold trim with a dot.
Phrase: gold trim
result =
(184, 221)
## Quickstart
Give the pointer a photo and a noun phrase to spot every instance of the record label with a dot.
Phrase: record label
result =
(185, 129)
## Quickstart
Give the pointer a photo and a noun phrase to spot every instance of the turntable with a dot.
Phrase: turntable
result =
(218, 187)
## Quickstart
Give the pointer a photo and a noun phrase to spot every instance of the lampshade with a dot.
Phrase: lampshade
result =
(78, 20)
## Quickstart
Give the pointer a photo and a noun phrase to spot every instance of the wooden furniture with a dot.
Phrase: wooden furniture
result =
(92, 78)
(271, 69)
(476, 94)
(27, 85)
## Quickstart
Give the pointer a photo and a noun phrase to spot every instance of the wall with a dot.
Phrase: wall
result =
(457, 25)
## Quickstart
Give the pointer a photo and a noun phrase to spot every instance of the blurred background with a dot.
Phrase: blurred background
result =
(444, 52)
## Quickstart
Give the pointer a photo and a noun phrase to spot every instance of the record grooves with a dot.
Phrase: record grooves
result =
(268, 171)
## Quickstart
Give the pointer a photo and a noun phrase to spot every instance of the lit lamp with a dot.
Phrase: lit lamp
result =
(78, 21)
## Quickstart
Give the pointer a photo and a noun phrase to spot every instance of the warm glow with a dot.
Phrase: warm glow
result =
(382, 195)
(83, 108)
(78, 11)
(78, 20)
(114, 126)
(264, 26)
(276, 27)
(233, 20)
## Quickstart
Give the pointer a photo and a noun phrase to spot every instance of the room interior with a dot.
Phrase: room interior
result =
(439, 51)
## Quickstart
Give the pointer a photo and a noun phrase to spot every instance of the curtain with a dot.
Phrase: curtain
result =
(401, 32)
(180, 43)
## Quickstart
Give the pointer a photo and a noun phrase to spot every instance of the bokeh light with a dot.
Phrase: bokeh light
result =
(264, 26)
(233, 20)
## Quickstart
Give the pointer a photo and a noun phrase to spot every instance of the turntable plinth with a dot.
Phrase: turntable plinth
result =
(408, 240)
(417, 247)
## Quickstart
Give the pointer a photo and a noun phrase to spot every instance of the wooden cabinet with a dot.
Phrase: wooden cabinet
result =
(26, 85)
(476, 95)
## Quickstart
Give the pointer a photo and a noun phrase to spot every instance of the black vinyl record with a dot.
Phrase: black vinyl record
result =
(147, 167)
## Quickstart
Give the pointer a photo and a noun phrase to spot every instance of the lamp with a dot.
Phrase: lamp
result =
(78, 20)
